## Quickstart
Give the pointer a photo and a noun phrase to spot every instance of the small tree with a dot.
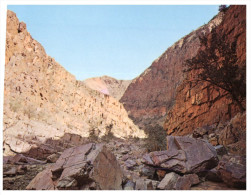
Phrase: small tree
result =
(222, 8)
(217, 63)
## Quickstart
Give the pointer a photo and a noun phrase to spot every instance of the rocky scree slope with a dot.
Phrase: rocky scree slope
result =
(43, 101)
(108, 85)
(124, 164)
(201, 104)
(149, 97)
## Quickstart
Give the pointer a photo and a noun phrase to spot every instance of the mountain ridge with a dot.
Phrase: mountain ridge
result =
(43, 101)
(108, 85)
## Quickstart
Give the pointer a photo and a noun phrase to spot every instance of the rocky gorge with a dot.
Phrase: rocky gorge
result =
(63, 134)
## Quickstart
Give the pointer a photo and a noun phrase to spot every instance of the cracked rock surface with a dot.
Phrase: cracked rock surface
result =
(90, 166)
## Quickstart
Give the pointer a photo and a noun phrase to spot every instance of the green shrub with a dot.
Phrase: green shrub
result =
(156, 140)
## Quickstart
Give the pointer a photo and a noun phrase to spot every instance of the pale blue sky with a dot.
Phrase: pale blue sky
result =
(120, 40)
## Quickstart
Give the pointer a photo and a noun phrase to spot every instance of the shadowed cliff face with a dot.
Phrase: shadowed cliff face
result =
(200, 104)
(42, 100)
(151, 95)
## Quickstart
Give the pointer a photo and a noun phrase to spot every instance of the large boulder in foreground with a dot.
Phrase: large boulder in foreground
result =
(184, 155)
(89, 166)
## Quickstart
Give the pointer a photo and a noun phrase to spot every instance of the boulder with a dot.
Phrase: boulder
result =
(146, 171)
(130, 185)
(184, 155)
(146, 184)
(213, 175)
(21, 27)
(130, 164)
(202, 131)
(233, 136)
(11, 172)
(173, 181)
(7, 159)
(185, 182)
(42, 181)
(169, 181)
(53, 158)
(90, 166)
(161, 174)
(232, 170)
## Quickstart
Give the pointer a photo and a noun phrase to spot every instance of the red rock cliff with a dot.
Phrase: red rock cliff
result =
(151, 95)
(197, 105)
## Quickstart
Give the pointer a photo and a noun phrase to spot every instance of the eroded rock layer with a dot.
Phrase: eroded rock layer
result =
(43, 101)
(201, 104)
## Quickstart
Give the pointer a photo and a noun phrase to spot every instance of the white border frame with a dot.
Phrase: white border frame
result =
(3, 12)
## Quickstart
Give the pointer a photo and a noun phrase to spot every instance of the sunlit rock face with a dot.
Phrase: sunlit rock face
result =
(108, 85)
(201, 104)
(43, 101)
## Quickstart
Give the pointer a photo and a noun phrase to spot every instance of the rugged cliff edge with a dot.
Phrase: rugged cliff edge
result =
(149, 97)
(43, 101)
(200, 104)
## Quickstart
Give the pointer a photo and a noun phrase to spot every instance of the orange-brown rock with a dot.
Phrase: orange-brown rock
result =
(149, 97)
(233, 136)
(43, 101)
(200, 104)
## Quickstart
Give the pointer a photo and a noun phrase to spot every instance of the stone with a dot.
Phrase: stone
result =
(42, 181)
(169, 181)
(185, 182)
(233, 136)
(232, 170)
(145, 184)
(11, 172)
(79, 167)
(130, 164)
(22, 27)
(221, 150)
(200, 132)
(161, 174)
(213, 175)
(213, 139)
(20, 159)
(7, 159)
(125, 157)
(130, 185)
(125, 150)
(184, 155)
(147, 171)
(53, 158)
